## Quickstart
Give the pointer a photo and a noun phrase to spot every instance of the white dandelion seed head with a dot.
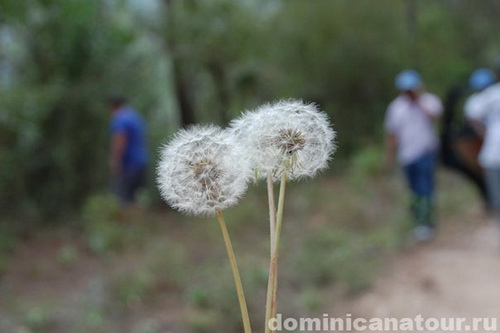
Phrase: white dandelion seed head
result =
(290, 136)
(201, 169)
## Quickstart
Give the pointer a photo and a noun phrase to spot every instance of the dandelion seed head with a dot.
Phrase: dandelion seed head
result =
(290, 136)
(201, 170)
(289, 141)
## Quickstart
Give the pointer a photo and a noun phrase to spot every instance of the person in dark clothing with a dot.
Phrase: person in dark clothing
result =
(460, 141)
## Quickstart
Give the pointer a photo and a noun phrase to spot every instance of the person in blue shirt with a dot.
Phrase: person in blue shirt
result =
(128, 152)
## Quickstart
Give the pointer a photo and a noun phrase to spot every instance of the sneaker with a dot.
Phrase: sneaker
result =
(423, 233)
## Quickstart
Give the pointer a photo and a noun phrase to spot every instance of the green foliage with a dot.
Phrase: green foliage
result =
(167, 261)
(109, 227)
(312, 299)
(198, 297)
(102, 225)
(39, 318)
(366, 163)
(132, 289)
(8, 240)
(214, 294)
(204, 321)
(94, 317)
(63, 58)
(68, 255)
(337, 256)
(162, 272)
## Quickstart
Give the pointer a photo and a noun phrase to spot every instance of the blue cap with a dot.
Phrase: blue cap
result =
(408, 79)
(481, 78)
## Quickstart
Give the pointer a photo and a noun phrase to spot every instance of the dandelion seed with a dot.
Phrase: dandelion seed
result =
(202, 170)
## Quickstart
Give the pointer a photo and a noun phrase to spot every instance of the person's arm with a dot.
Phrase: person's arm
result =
(390, 127)
(118, 144)
(390, 149)
(431, 106)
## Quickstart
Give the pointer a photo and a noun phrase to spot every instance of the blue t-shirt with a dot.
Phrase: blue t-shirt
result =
(126, 120)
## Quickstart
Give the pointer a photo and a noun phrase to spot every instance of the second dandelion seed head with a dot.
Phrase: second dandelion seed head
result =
(287, 136)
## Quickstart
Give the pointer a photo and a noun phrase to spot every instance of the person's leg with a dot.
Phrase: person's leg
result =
(137, 179)
(410, 173)
(493, 185)
(120, 187)
(424, 189)
(420, 177)
(126, 186)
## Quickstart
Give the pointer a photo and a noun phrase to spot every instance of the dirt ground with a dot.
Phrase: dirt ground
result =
(456, 276)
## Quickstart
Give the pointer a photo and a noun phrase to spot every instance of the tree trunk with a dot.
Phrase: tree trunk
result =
(182, 93)
(184, 102)
(219, 77)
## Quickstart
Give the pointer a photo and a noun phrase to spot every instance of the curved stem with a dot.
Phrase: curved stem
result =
(236, 275)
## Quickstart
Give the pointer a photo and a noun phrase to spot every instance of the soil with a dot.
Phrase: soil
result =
(455, 276)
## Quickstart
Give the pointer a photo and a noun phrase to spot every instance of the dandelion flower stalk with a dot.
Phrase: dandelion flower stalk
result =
(286, 140)
(236, 275)
(272, 290)
(272, 210)
(272, 223)
(201, 171)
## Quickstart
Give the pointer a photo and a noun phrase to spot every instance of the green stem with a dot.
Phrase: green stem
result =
(272, 291)
(269, 296)
(236, 275)
(272, 228)
(272, 210)
(279, 223)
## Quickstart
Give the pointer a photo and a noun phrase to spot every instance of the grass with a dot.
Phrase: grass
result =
(161, 271)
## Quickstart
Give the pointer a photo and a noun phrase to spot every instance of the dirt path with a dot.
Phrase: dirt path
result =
(456, 276)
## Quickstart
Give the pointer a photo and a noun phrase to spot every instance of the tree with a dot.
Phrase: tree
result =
(67, 55)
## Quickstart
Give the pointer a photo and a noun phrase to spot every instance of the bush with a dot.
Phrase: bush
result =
(367, 162)
(101, 215)
(336, 256)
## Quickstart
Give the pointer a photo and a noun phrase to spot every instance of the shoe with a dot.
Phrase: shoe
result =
(423, 233)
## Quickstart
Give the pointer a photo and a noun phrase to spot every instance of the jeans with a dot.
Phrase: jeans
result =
(128, 182)
(493, 186)
(420, 178)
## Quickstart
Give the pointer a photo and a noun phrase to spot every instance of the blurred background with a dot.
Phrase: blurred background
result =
(71, 260)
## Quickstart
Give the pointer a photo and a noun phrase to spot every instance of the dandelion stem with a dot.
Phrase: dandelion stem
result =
(279, 223)
(272, 286)
(272, 228)
(272, 209)
(236, 275)
(269, 295)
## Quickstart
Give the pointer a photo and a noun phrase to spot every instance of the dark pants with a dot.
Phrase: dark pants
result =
(493, 183)
(420, 178)
(128, 182)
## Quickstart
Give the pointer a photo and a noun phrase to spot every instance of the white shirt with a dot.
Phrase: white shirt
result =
(485, 107)
(411, 123)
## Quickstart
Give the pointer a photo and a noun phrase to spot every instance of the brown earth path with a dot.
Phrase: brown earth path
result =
(456, 276)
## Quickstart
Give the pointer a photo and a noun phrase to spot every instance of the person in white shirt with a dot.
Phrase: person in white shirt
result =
(483, 110)
(412, 137)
